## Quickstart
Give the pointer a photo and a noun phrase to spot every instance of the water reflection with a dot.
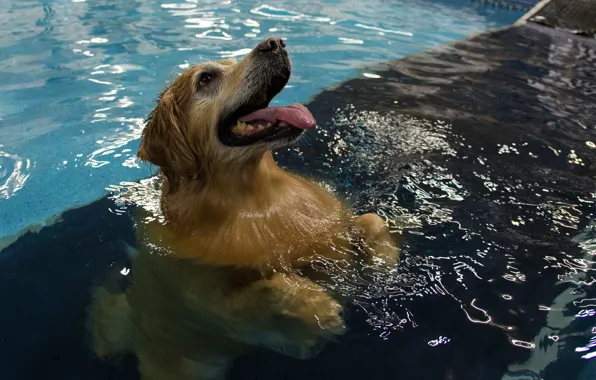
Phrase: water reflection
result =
(14, 172)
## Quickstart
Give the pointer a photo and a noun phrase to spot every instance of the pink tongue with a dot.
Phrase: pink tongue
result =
(296, 115)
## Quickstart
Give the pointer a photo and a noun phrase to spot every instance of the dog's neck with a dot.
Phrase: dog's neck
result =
(252, 216)
(231, 179)
(256, 186)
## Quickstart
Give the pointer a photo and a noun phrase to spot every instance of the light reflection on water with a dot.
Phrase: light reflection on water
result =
(14, 172)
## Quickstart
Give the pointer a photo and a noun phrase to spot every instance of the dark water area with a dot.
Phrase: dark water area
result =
(482, 153)
(574, 16)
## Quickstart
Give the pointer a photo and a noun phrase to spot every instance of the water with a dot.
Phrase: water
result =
(493, 140)
(483, 154)
(78, 78)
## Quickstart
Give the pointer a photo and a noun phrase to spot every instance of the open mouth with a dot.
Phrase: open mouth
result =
(249, 125)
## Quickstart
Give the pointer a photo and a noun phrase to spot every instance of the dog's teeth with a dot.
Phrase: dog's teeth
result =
(283, 124)
(241, 128)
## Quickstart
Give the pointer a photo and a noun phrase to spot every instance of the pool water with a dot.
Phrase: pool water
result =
(483, 153)
(77, 78)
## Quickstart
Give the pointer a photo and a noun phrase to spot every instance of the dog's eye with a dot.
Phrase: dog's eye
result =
(205, 78)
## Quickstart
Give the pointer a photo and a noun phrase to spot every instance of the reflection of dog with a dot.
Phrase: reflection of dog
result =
(240, 234)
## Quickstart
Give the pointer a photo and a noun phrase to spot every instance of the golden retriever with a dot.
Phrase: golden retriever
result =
(231, 267)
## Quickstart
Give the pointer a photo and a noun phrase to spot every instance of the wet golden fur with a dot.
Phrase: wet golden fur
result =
(239, 237)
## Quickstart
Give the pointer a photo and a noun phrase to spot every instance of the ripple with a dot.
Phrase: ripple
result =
(179, 6)
(351, 41)
(215, 34)
(14, 172)
(201, 23)
(146, 194)
(381, 30)
(110, 144)
(284, 14)
(235, 53)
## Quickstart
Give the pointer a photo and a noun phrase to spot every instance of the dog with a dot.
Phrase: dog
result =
(231, 266)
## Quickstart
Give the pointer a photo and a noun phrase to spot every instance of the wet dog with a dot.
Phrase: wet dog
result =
(230, 266)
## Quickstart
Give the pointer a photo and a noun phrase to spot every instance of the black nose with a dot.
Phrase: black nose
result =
(273, 44)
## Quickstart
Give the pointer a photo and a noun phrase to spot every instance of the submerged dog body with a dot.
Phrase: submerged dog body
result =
(231, 267)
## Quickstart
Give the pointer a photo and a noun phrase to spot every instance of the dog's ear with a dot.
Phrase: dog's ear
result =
(163, 142)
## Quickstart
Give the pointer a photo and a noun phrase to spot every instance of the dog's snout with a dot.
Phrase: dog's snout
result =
(273, 45)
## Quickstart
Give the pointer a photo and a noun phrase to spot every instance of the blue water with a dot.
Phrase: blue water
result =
(77, 78)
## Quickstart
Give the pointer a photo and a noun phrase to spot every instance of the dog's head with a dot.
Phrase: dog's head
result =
(219, 112)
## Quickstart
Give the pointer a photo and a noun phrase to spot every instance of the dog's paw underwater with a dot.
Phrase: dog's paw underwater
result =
(243, 239)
